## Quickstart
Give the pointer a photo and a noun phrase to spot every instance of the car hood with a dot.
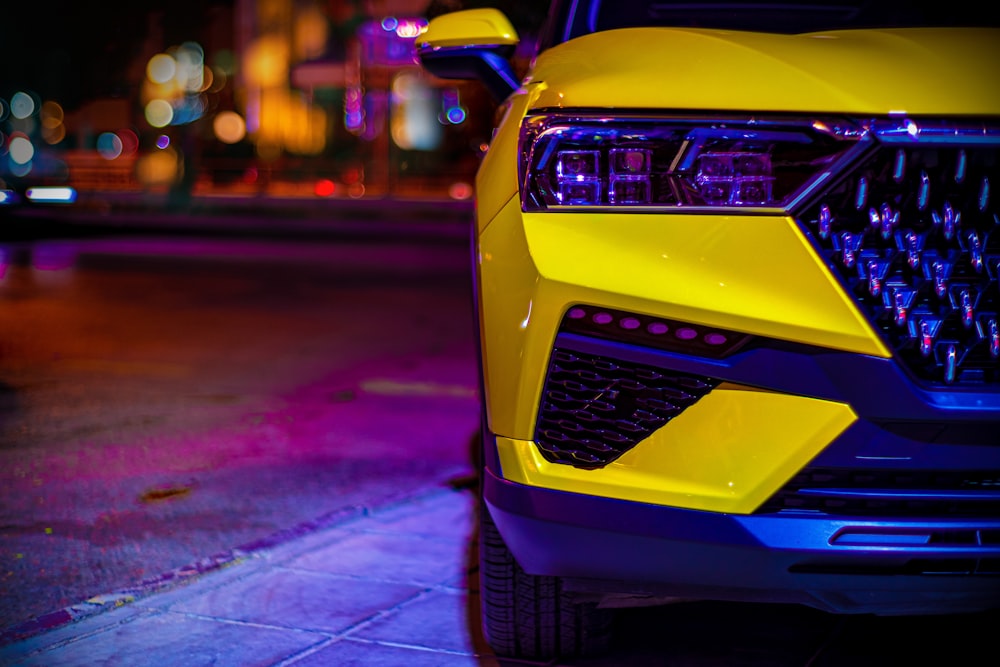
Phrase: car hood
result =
(915, 71)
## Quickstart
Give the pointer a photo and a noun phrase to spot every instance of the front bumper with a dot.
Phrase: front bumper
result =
(621, 548)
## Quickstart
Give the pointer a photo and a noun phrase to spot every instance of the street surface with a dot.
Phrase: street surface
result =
(162, 401)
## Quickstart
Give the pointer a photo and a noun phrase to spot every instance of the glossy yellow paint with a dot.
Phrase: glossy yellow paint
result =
(469, 27)
(753, 274)
(517, 337)
(756, 274)
(867, 72)
(496, 179)
(727, 453)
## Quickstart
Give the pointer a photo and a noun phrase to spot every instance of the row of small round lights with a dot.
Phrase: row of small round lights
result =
(682, 332)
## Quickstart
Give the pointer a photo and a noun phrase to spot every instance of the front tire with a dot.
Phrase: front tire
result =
(530, 616)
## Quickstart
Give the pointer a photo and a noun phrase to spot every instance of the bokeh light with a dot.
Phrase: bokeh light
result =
(109, 145)
(52, 114)
(414, 123)
(208, 80)
(460, 191)
(158, 169)
(187, 109)
(130, 141)
(310, 33)
(161, 68)
(159, 113)
(325, 188)
(410, 28)
(18, 169)
(218, 80)
(190, 58)
(20, 148)
(229, 127)
(176, 78)
(22, 105)
(265, 63)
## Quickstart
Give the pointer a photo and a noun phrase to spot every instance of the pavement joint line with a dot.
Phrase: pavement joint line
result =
(103, 602)
(417, 647)
(308, 651)
(250, 624)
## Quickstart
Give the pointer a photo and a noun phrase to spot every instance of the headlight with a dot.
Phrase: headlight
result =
(690, 162)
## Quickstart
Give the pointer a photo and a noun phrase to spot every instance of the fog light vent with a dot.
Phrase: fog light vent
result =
(594, 409)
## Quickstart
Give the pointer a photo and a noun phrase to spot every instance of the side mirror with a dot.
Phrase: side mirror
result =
(471, 44)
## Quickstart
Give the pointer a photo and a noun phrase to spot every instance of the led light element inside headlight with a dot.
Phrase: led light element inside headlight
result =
(642, 161)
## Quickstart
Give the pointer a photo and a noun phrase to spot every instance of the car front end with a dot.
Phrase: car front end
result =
(738, 297)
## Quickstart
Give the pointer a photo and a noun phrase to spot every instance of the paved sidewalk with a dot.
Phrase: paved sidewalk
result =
(397, 586)
(392, 586)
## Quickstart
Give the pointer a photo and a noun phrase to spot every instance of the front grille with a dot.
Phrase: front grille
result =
(890, 493)
(913, 232)
(594, 408)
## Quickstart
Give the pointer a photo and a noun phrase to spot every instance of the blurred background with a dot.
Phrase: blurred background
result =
(304, 98)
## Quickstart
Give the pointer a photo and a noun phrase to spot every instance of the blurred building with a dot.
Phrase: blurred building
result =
(293, 97)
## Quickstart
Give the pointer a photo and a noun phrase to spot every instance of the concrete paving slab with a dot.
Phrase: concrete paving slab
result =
(438, 621)
(436, 515)
(387, 557)
(299, 599)
(386, 586)
(169, 640)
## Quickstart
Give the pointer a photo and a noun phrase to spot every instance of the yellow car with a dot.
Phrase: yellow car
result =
(737, 276)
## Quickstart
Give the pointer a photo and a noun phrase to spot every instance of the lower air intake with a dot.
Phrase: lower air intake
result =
(594, 409)
(890, 493)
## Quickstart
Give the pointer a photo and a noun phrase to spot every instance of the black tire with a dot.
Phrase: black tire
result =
(532, 617)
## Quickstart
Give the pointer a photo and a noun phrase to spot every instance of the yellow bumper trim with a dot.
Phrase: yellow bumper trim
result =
(727, 453)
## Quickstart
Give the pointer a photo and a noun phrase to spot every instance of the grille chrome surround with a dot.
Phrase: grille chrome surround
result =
(912, 229)
(594, 408)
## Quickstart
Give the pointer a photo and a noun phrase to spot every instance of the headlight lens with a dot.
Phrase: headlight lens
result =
(691, 162)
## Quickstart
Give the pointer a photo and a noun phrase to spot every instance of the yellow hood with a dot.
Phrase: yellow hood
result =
(915, 71)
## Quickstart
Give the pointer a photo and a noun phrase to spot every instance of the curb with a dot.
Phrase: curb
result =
(103, 602)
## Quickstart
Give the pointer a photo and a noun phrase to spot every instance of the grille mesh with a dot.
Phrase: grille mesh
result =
(914, 233)
(594, 408)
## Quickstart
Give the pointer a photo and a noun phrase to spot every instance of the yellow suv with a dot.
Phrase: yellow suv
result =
(737, 277)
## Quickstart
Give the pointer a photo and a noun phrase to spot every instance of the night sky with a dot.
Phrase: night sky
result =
(74, 51)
